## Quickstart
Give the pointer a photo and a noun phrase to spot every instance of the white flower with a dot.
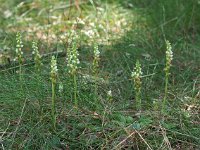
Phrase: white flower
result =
(96, 58)
(35, 50)
(37, 56)
(72, 36)
(80, 21)
(92, 24)
(90, 33)
(169, 57)
(137, 73)
(19, 47)
(109, 93)
(96, 51)
(54, 69)
(60, 88)
(72, 58)
(136, 76)
(169, 53)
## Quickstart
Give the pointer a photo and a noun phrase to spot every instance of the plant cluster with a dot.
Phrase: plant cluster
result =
(136, 76)
(19, 46)
(19, 53)
(54, 76)
(73, 66)
(168, 64)
(37, 56)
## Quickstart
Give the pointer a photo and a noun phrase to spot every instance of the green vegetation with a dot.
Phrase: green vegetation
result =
(136, 75)
(101, 74)
(54, 74)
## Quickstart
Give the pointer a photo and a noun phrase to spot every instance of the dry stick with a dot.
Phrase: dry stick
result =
(189, 136)
(166, 140)
(1, 137)
(18, 123)
(131, 135)
(125, 129)
(29, 61)
(4, 132)
(144, 140)
(124, 140)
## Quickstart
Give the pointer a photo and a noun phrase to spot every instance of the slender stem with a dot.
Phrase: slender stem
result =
(38, 90)
(166, 90)
(75, 91)
(53, 105)
(20, 76)
(20, 73)
(138, 99)
(95, 89)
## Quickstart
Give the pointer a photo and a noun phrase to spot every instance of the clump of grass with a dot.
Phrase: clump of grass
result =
(54, 75)
(136, 77)
(72, 64)
(95, 68)
(169, 57)
(19, 53)
(37, 57)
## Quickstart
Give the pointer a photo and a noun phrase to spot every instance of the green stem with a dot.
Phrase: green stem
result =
(20, 77)
(20, 73)
(138, 100)
(95, 90)
(53, 105)
(38, 90)
(166, 91)
(75, 92)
